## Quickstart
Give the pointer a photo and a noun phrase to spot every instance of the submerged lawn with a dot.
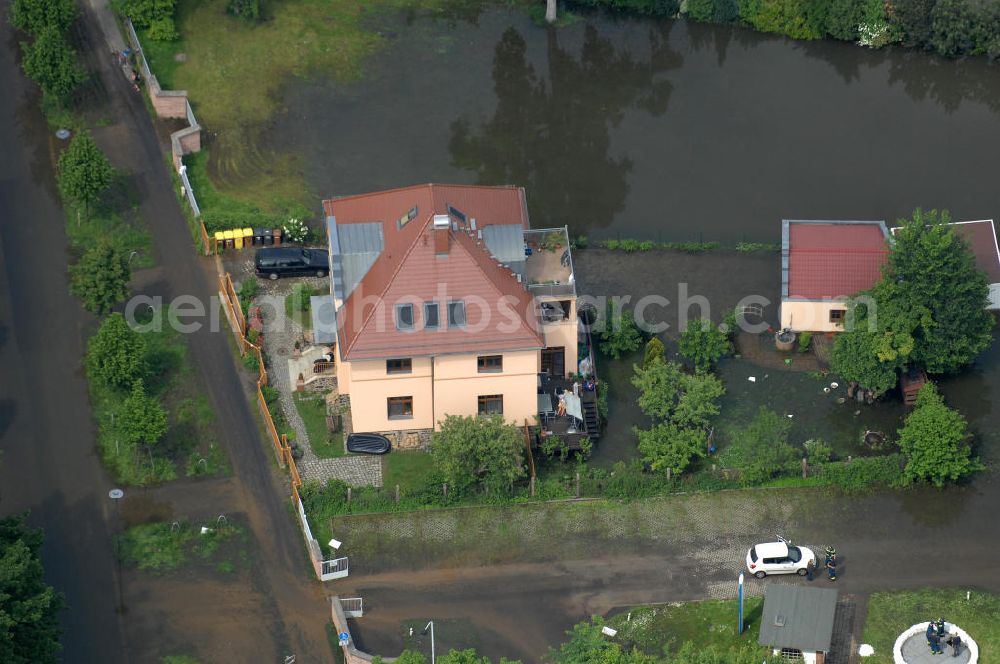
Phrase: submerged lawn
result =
(890, 613)
(234, 72)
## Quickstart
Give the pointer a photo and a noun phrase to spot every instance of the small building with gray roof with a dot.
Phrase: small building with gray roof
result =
(797, 622)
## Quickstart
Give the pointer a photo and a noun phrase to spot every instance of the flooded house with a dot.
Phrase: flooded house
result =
(445, 301)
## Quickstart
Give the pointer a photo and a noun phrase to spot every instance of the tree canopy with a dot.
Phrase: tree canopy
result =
(483, 451)
(935, 440)
(29, 627)
(84, 172)
(927, 310)
(50, 61)
(115, 353)
(100, 278)
(704, 344)
(668, 393)
(143, 421)
(32, 16)
(620, 334)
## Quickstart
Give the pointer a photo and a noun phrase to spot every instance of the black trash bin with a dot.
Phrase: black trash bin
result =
(258, 236)
(268, 236)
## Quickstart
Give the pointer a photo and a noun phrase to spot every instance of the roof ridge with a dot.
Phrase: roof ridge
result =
(381, 192)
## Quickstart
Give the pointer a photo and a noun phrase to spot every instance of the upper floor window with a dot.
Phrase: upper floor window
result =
(398, 366)
(431, 316)
(404, 316)
(490, 363)
(456, 313)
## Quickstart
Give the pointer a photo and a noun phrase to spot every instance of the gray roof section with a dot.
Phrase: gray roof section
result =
(797, 617)
(324, 319)
(506, 243)
(353, 250)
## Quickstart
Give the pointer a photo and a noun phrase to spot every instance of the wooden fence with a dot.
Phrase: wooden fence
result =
(282, 450)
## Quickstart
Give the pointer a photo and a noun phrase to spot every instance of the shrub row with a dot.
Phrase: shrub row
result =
(630, 246)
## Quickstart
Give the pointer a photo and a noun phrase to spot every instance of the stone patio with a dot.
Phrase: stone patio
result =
(916, 651)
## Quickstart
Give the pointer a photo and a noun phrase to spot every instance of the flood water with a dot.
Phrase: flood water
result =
(655, 129)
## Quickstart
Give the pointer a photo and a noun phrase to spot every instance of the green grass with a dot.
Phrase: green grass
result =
(665, 627)
(234, 73)
(312, 409)
(190, 436)
(166, 546)
(297, 305)
(408, 469)
(890, 613)
(116, 218)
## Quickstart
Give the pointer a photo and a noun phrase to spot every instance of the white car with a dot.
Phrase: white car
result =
(779, 558)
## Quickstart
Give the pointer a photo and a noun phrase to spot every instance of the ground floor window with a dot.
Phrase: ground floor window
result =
(400, 407)
(491, 404)
(837, 315)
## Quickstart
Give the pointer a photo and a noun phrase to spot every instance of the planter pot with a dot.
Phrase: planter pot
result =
(785, 340)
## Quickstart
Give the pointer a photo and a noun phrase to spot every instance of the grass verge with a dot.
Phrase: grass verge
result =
(164, 546)
(890, 613)
(189, 446)
(325, 444)
(410, 470)
(663, 628)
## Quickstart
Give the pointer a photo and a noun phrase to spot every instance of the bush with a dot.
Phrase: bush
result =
(484, 451)
(817, 451)
(760, 450)
(935, 439)
(650, 7)
(716, 11)
(163, 29)
(794, 18)
(143, 13)
(805, 341)
(215, 220)
(299, 298)
(619, 337)
(704, 344)
(865, 473)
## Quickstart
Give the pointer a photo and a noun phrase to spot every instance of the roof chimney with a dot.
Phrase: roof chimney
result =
(441, 238)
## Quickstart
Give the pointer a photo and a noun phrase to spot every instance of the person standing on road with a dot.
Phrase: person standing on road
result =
(831, 568)
(831, 554)
(810, 569)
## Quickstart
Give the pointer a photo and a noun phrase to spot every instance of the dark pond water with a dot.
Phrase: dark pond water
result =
(655, 128)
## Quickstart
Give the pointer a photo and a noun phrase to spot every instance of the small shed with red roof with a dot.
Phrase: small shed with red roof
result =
(823, 263)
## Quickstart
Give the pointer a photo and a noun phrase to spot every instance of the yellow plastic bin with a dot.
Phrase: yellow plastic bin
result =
(247, 237)
(228, 235)
(238, 238)
(220, 240)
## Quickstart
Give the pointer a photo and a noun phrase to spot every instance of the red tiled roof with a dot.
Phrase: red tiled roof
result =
(981, 236)
(409, 271)
(834, 259)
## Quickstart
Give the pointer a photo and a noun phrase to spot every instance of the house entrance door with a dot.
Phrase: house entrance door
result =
(554, 361)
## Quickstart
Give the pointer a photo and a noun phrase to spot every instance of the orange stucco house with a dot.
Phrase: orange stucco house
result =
(446, 303)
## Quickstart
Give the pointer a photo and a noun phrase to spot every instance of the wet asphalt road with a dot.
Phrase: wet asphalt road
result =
(49, 463)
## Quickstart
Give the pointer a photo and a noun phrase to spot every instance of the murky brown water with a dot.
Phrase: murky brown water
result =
(655, 128)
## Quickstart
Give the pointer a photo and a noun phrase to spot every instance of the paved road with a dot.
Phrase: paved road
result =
(49, 464)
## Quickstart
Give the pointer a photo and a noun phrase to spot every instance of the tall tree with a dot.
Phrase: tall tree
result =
(935, 440)
(29, 627)
(100, 278)
(84, 172)
(943, 290)
(33, 16)
(115, 353)
(50, 61)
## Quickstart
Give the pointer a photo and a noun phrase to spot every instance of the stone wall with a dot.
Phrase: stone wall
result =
(409, 439)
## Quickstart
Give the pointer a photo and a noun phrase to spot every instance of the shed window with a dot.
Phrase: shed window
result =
(491, 404)
(400, 407)
(792, 654)
(404, 316)
(456, 313)
(402, 365)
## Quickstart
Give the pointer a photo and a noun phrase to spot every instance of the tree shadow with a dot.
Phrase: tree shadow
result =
(551, 131)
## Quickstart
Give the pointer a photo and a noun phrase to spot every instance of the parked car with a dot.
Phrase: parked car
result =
(778, 558)
(274, 262)
(368, 443)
